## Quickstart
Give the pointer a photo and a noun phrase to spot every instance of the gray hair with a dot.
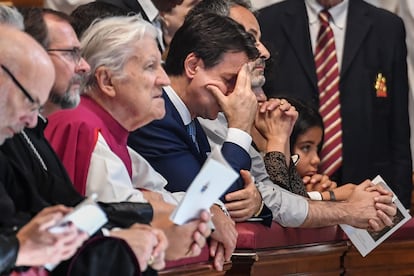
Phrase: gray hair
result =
(111, 42)
(11, 16)
(244, 3)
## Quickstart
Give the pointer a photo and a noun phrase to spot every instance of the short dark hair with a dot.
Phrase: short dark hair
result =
(208, 36)
(34, 23)
(220, 7)
(308, 117)
(85, 14)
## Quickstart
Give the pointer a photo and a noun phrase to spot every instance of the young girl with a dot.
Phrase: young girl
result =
(306, 141)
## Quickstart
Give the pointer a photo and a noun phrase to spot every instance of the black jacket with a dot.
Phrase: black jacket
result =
(376, 130)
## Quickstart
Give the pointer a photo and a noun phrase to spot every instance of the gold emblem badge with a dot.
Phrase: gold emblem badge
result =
(381, 86)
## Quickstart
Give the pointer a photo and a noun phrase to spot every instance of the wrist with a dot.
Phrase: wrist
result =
(259, 210)
(280, 146)
(332, 196)
(241, 126)
(343, 212)
(223, 209)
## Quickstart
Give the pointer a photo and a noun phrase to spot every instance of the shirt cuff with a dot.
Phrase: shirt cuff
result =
(105, 232)
(239, 137)
(315, 195)
(223, 208)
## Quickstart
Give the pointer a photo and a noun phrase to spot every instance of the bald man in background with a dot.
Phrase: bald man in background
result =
(25, 64)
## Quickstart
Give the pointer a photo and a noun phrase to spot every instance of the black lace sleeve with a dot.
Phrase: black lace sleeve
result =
(280, 174)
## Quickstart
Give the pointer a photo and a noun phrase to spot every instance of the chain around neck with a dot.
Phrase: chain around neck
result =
(34, 150)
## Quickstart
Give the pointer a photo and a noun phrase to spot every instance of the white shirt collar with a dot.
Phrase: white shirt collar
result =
(149, 9)
(179, 104)
(337, 12)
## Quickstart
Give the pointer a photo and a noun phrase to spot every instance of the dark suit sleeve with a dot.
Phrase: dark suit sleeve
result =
(376, 127)
(239, 159)
(400, 130)
(166, 145)
(124, 214)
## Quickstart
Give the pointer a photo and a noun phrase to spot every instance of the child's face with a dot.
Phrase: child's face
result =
(307, 147)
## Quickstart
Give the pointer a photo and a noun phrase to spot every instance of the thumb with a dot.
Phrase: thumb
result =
(217, 93)
(247, 178)
(213, 247)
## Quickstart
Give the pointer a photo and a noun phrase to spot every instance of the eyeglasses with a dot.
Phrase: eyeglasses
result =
(18, 84)
(75, 53)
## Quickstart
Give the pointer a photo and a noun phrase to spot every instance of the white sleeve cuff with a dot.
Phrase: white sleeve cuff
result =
(106, 232)
(315, 195)
(239, 137)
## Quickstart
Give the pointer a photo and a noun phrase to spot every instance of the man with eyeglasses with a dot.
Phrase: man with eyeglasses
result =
(36, 179)
(25, 65)
(63, 49)
(27, 110)
(36, 106)
(48, 180)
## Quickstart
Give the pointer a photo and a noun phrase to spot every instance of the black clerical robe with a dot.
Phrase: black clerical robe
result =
(28, 186)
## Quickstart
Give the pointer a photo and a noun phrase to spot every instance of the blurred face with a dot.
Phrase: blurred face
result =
(200, 101)
(246, 18)
(307, 147)
(139, 91)
(19, 109)
(173, 19)
(70, 68)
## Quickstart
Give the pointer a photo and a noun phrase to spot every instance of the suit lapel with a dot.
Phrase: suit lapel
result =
(357, 27)
(201, 137)
(296, 27)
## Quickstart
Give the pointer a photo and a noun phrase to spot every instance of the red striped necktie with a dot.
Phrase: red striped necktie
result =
(329, 104)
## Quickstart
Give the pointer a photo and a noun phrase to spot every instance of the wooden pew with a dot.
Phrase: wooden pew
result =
(277, 250)
(308, 259)
(280, 251)
(395, 256)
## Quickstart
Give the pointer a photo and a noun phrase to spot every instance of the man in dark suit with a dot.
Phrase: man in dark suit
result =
(373, 85)
(207, 65)
(166, 143)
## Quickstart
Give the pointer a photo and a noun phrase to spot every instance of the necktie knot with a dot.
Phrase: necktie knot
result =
(324, 17)
(191, 129)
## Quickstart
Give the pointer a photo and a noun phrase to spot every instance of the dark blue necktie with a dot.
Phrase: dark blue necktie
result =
(191, 129)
